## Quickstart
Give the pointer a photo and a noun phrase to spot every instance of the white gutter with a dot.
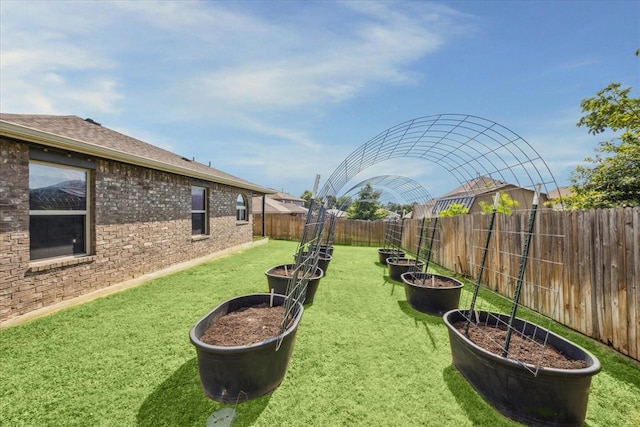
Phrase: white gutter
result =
(24, 133)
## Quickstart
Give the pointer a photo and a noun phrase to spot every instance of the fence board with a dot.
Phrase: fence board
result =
(635, 289)
(622, 282)
(600, 333)
(583, 248)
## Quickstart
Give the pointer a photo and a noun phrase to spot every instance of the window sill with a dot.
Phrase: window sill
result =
(242, 222)
(200, 237)
(50, 264)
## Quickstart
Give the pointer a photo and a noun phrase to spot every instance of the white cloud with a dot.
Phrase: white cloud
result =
(324, 67)
(255, 60)
(47, 65)
(224, 63)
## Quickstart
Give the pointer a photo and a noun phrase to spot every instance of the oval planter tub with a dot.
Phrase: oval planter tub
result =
(323, 262)
(428, 299)
(383, 254)
(279, 282)
(398, 266)
(240, 373)
(552, 397)
(324, 249)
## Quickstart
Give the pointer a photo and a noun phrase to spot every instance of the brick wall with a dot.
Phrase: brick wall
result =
(140, 223)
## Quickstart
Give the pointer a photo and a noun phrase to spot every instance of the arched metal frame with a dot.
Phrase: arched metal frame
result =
(483, 156)
(467, 146)
(404, 190)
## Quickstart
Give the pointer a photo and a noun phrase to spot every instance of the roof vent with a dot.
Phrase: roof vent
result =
(93, 122)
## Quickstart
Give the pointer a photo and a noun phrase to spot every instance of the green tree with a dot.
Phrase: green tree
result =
(454, 209)
(613, 177)
(343, 202)
(307, 196)
(505, 205)
(366, 206)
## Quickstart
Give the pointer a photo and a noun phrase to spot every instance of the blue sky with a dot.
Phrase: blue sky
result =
(277, 92)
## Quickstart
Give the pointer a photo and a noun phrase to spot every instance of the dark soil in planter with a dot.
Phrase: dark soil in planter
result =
(403, 261)
(492, 338)
(436, 282)
(286, 272)
(245, 326)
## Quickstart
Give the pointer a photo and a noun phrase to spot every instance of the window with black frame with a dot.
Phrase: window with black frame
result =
(58, 210)
(199, 211)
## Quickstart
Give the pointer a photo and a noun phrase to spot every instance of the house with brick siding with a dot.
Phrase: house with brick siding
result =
(83, 208)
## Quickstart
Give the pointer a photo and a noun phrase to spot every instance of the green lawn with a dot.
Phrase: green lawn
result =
(362, 357)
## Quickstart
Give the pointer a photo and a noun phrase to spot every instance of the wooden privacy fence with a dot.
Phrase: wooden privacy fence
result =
(347, 232)
(584, 265)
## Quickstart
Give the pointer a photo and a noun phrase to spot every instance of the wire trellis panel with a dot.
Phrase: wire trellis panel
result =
(514, 246)
(305, 264)
(429, 242)
(393, 234)
(331, 228)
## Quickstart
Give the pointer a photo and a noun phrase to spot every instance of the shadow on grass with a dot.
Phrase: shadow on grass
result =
(180, 401)
(423, 319)
(394, 283)
(387, 279)
(479, 411)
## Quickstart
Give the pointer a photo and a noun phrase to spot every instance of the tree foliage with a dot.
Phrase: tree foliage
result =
(454, 209)
(505, 205)
(343, 202)
(612, 179)
(367, 205)
(307, 196)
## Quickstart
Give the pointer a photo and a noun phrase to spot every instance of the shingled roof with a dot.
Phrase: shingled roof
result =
(88, 137)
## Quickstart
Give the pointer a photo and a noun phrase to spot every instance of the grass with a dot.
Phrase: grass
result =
(362, 357)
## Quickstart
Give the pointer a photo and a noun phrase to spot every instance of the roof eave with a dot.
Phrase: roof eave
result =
(24, 133)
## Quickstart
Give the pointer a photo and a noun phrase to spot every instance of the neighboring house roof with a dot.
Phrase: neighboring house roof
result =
(337, 213)
(476, 187)
(467, 193)
(392, 214)
(284, 197)
(273, 206)
(559, 192)
(75, 134)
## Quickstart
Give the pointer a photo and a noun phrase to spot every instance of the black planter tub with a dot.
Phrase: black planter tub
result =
(552, 397)
(240, 373)
(398, 266)
(383, 254)
(279, 282)
(323, 262)
(429, 299)
(324, 249)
